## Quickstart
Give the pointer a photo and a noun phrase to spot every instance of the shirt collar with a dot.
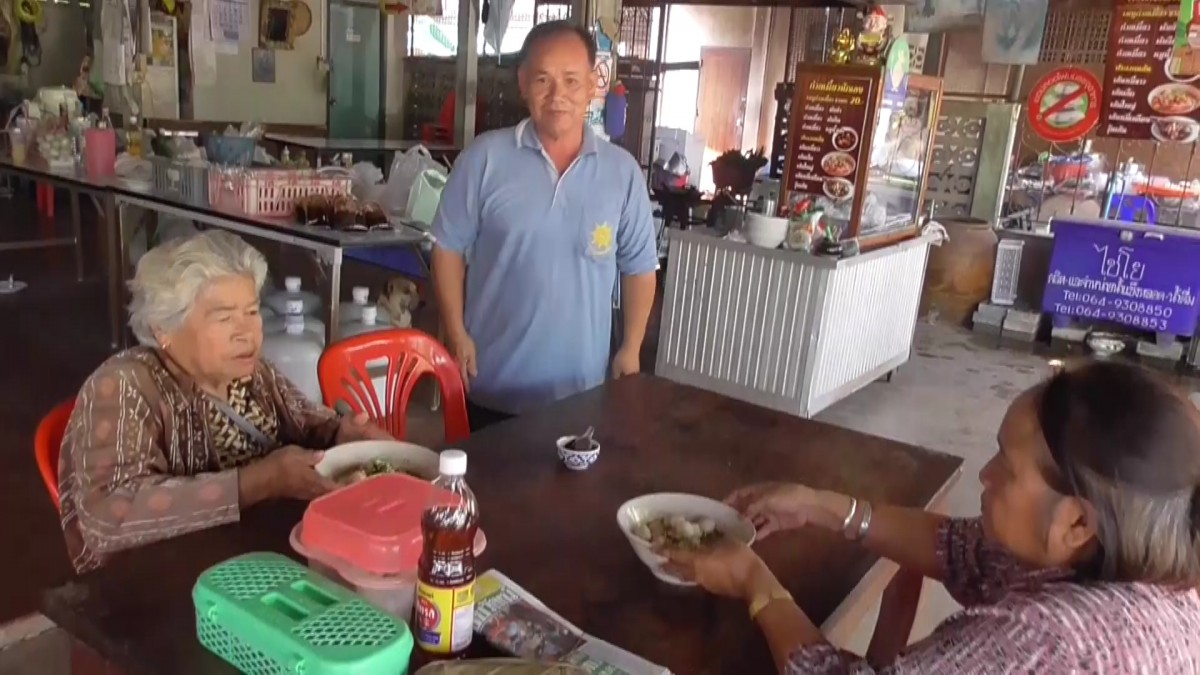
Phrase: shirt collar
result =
(526, 137)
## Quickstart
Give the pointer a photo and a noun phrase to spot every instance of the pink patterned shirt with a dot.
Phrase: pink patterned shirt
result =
(1020, 621)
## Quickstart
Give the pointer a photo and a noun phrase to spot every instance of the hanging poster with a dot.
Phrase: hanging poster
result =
(932, 16)
(1142, 100)
(1013, 31)
(895, 74)
(1185, 57)
(1064, 105)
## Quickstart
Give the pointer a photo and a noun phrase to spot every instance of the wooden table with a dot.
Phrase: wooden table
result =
(554, 532)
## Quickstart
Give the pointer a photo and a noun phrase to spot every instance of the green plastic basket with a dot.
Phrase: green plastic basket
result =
(267, 615)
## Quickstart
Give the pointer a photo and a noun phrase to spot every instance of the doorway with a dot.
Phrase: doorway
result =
(721, 97)
(355, 71)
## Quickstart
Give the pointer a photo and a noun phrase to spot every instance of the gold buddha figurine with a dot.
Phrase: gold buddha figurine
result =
(843, 48)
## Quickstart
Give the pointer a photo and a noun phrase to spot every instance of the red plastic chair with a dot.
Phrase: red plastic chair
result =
(47, 442)
(409, 355)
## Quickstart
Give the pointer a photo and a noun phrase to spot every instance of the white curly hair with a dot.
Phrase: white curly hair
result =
(171, 275)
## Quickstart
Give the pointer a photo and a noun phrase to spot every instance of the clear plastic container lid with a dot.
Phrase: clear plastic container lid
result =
(374, 525)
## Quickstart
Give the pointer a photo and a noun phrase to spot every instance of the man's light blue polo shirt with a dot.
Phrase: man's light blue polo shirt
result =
(543, 256)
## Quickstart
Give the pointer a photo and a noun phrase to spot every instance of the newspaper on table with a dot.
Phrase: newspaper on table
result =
(512, 620)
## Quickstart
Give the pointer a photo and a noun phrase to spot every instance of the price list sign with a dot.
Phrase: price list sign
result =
(830, 136)
(1143, 100)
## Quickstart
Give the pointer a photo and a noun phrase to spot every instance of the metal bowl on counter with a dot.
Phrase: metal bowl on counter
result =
(1104, 345)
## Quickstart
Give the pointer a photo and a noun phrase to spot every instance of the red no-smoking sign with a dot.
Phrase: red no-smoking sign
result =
(1064, 105)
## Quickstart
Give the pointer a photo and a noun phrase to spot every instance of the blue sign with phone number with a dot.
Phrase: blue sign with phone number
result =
(1138, 278)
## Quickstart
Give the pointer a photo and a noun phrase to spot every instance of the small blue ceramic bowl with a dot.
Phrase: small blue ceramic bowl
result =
(577, 460)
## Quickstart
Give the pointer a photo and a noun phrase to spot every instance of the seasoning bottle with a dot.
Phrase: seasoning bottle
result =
(444, 612)
(133, 136)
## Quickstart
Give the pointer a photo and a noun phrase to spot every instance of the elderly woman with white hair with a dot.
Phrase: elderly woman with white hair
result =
(184, 431)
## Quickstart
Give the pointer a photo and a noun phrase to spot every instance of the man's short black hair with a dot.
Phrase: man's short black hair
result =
(544, 31)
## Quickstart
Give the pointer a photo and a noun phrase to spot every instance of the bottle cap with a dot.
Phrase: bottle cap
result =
(369, 315)
(293, 307)
(292, 284)
(360, 294)
(452, 463)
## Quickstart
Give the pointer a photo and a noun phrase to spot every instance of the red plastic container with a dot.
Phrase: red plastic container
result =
(100, 152)
(374, 525)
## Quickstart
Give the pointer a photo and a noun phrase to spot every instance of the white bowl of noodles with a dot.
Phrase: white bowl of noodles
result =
(672, 519)
(351, 462)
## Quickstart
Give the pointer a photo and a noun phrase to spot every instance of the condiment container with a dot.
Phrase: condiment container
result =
(277, 300)
(295, 353)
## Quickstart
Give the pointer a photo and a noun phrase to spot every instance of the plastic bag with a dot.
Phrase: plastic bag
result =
(425, 196)
(407, 167)
(367, 178)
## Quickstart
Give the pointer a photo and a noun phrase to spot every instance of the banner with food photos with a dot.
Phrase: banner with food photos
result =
(1143, 98)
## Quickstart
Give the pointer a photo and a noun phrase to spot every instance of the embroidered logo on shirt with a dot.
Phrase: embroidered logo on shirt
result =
(601, 243)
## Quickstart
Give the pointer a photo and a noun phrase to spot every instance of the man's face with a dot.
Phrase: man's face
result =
(557, 83)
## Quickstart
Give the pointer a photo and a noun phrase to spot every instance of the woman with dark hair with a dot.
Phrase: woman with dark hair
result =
(1085, 558)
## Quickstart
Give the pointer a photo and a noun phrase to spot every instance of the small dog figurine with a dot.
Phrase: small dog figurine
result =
(400, 298)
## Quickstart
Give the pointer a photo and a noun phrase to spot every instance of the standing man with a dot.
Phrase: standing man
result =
(535, 225)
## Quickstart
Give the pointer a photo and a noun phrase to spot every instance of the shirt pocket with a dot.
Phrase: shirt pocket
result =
(598, 235)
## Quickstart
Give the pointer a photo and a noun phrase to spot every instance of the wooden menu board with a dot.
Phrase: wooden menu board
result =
(1141, 101)
(829, 140)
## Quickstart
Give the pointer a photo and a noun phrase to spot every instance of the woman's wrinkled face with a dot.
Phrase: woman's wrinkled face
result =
(1021, 511)
(557, 83)
(221, 336)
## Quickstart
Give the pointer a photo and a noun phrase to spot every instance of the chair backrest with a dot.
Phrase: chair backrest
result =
(408, 355)
(47, 442)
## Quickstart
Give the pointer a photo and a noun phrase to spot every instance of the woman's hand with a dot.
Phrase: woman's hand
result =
(778, 507)
(729, 568)
(289, 472)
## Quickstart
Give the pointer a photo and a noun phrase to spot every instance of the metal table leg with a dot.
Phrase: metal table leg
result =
(333, 328)
(77, 232)
(116, 272)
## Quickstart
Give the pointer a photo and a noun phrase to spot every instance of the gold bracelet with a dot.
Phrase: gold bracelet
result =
(761, 602)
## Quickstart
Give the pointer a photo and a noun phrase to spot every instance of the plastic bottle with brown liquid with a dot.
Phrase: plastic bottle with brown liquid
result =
(444, 611)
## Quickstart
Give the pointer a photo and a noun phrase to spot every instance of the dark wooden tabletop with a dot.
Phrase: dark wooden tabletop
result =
(555, 533)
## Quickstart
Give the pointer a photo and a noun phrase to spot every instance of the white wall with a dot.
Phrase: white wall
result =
(298, 95)
(693, 26)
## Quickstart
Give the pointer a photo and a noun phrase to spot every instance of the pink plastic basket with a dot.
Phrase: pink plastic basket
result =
(269, 192)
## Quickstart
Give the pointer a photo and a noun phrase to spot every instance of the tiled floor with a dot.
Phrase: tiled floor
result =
(950, 397)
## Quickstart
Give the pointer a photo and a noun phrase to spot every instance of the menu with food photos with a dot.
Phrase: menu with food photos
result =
(829, 140)
(1143, 100)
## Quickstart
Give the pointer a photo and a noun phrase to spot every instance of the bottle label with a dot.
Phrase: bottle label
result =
(444, 617)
